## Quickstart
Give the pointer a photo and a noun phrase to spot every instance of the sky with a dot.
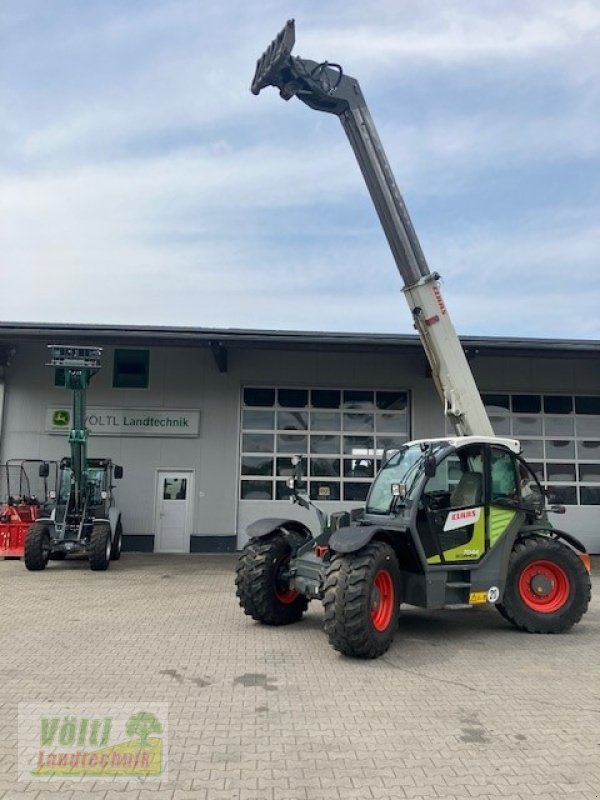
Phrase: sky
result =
(142, 183)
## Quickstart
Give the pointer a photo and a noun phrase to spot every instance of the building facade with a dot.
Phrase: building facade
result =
(204, 422)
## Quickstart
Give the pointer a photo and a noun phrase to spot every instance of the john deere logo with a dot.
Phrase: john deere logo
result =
(60, 418)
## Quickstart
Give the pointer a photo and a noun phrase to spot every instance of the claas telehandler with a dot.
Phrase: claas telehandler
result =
(83, 519)
(452, 522)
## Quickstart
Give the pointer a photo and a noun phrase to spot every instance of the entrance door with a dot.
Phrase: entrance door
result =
(173, 511)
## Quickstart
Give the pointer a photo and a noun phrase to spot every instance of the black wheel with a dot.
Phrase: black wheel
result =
(362, 601)
(548, 589)
(262, 584)
(100, 547)
(37, 547)
(58, 555)
(115, 552)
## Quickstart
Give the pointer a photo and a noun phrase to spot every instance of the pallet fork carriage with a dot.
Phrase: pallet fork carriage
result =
(82, 518)
(448, 523)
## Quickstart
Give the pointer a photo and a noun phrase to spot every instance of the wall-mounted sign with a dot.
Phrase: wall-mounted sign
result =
(127, 421)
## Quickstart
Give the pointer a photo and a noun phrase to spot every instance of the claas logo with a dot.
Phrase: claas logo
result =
(60, 418)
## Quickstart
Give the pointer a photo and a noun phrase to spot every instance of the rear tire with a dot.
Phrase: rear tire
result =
(37, 548)
(100, 547)
(261, 585)
(115, 552)
(362, 601)
(548, 589)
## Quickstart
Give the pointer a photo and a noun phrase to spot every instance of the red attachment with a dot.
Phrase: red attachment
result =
(15, 521)
(544, 586)
(382, 600)
(321, 550)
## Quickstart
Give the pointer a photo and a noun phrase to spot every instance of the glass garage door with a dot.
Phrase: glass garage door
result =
(560, 436)
(341, 435)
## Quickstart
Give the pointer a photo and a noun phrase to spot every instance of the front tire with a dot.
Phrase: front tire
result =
(548, 589)
(37, 548)
(100, 547)
(261, 583)
(361, 601)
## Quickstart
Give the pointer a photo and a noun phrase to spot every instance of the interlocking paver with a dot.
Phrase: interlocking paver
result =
(461, 706)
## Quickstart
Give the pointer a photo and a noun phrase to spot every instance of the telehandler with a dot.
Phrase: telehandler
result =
(452, 522)
(83, 519)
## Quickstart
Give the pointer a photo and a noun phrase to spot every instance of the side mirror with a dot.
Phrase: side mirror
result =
(118, 472)
(297, 465)
(557, 509)
(44, 470)
(295, 481)
(430, 466)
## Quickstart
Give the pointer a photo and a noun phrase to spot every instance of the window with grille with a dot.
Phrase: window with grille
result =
(341, 435)
(560, 436)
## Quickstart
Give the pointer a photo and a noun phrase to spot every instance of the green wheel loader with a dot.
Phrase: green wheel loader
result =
(82, 518)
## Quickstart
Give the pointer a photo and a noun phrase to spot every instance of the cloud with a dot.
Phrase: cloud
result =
(141, 182)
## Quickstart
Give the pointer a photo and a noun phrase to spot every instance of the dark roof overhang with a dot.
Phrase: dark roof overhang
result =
(221, 340)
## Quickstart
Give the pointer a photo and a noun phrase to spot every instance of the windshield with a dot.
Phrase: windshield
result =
(404, 467)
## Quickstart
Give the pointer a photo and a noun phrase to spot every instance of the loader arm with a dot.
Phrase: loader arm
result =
(79, 365)
(325, 87)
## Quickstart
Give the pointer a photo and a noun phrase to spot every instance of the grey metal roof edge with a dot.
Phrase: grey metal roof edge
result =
(242, 336)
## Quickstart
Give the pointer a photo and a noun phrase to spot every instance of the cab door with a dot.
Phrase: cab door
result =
(453, 521)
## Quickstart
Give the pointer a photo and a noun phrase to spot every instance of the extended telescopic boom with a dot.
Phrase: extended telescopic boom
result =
(325, 87)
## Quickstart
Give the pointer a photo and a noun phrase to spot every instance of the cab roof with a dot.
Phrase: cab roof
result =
(461, 441)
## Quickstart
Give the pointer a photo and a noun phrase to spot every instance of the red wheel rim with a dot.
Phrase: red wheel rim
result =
(382, 600)
(286, 596)
(544, 586)
(283, 593)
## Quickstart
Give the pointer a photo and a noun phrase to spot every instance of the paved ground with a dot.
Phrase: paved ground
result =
(462, 705)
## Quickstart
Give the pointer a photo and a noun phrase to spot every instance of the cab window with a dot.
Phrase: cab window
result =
(530, 490)
(458, 482)
(503, 476)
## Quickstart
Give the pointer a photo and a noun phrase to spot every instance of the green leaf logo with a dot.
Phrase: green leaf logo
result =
(60, 418)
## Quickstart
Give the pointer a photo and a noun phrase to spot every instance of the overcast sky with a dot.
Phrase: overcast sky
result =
(142, 183)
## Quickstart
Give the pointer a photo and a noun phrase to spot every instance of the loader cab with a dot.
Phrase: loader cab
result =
(99, 473)
(460, 495)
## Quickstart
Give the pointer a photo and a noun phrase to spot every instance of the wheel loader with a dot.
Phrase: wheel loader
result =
(83, 518)
(453, 522)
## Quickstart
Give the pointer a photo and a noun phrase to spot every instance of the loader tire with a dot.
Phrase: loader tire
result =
(548, 589)
(115, 551)
(261, 585)
(37, 548)
(362, 601)
(100, 547)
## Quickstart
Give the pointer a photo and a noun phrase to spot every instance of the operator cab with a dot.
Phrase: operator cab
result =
(459, 495)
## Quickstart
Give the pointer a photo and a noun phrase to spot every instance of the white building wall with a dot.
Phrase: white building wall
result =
(188, 378)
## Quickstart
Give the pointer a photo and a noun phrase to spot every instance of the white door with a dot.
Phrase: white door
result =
(173, 506)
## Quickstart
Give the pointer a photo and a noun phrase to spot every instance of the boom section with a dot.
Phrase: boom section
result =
(325, 87)
(79, 365)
